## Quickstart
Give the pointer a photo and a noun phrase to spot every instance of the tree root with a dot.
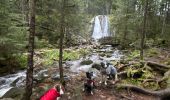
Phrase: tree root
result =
(124, 66)
(162, 94)
(165, 77)
(156, 66)
(122, 74)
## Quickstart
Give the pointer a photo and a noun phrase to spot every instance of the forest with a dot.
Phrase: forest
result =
(61, 44)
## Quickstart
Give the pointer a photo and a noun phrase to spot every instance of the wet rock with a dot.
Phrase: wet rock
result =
(68, 63)
(20, 81)
(15, 81)
(102, 54)
(2, 81)
(96, 66)
(67, 66)
(108, 55)
(41, 75)
(57, 77)
(86, 62)
(11, 92)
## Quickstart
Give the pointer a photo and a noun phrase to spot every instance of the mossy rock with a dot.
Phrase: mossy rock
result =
(152, 52)
(108, 55)
(96, 66)
(86, 62)
(102, 54)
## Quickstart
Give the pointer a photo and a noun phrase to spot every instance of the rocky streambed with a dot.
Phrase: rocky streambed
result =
(13, 85)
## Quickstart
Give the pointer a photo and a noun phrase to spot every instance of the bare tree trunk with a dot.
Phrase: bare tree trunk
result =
(144, 29)
(29, 78)
(126, 26)
(62, 31)
(164, 19)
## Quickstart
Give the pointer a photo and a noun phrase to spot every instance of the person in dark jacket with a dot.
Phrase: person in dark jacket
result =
(53, 93)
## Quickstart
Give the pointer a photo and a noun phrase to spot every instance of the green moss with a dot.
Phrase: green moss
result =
(132, 81)
(22, 60)
(147, 74)
(151, 85)
(50, 55)
(134, 54)
(83, 52)
(152, 52)
(71, 55)
(86, 62)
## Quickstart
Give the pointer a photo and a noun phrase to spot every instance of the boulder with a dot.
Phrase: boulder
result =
(86, 62)
(56, 77)
(96, 66)
(102, 54)
(108, 55)
(41, 75)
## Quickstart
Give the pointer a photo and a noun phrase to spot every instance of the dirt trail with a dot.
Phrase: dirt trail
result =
(108, 94)
(102, 92)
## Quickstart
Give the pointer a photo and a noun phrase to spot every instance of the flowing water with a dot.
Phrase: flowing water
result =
(114, 55)
(101, 27)
(10, 81)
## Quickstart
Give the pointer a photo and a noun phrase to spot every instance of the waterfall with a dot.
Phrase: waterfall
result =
(101, 27)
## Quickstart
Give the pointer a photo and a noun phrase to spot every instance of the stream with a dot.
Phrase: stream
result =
(17, 80)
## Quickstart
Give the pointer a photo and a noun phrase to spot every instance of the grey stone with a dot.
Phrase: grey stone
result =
(57, 77)
(86, 62)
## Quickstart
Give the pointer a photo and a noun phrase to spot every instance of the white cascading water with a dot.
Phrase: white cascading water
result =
(101, 27)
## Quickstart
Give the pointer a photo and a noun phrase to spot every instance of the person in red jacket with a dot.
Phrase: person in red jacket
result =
(53, 93)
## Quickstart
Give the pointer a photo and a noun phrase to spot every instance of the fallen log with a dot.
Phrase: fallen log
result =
(149, 80)
(162, 94)
(122, 67)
